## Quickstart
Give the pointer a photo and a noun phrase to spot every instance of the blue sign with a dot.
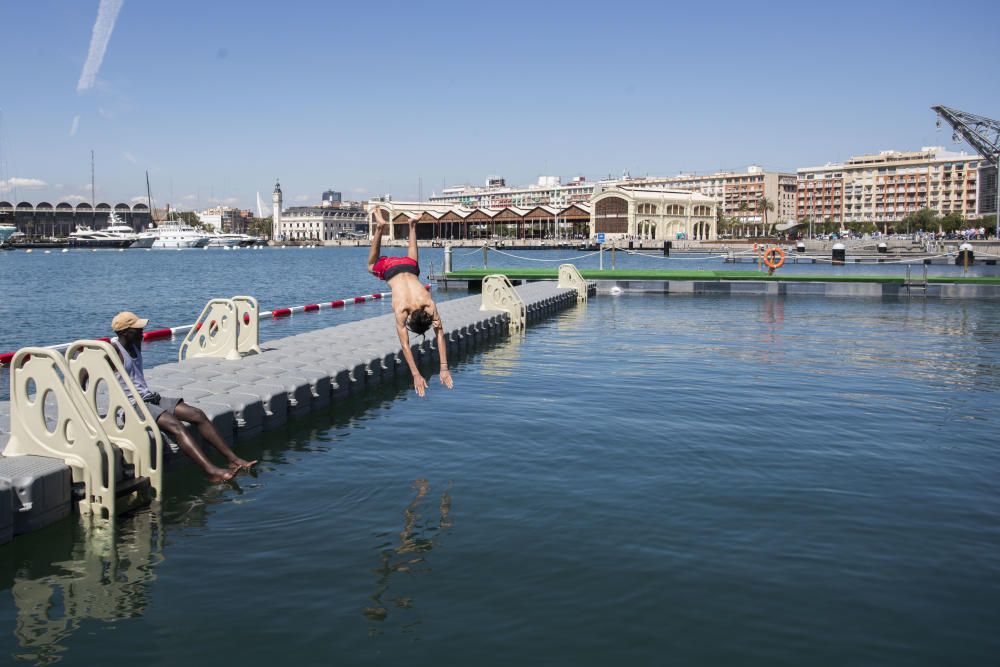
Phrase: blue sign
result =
(600, 237)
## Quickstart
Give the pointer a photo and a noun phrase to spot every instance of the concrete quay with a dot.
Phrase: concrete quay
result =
(291, 378)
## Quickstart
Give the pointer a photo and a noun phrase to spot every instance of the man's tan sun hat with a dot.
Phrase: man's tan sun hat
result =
(127, 320)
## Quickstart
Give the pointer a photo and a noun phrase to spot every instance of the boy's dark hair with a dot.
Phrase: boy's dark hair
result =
(419, 321)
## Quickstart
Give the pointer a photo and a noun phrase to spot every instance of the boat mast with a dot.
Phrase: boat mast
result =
(149, 198)
(93, 209)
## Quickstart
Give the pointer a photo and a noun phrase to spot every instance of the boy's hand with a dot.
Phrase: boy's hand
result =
(446, 380)
(419, 384)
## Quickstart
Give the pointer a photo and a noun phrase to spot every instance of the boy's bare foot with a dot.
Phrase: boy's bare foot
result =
(221, 475)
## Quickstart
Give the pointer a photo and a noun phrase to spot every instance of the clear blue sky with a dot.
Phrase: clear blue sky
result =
(218, 98)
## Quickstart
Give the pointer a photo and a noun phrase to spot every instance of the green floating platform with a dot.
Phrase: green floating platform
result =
(653, 274)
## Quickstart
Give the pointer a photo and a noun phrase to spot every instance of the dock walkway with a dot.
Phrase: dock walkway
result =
(291, 377)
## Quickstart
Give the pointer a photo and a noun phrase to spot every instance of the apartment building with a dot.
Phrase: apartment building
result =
(547, 191)
(888, 186)
(226, 219)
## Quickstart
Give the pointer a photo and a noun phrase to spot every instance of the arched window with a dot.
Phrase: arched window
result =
(675, 209)
(647, 209)
(702, 211)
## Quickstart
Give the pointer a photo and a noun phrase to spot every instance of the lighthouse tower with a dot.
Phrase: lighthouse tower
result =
(277, 233)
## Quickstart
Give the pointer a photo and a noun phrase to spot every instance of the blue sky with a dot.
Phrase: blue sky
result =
(216, 99)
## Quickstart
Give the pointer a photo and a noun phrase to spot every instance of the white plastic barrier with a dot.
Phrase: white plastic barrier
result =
(41, 382)
(499, 294)
(214, 334)
(131, 428)
(569, 276)
(248, 319)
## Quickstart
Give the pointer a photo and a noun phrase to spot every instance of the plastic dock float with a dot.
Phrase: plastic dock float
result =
(245, 396)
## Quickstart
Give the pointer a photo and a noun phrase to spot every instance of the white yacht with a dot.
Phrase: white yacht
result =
(173, 234)
(217, 240)
(115, 235)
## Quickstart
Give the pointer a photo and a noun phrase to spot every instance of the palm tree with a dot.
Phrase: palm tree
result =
(742, 212)
(764, 205)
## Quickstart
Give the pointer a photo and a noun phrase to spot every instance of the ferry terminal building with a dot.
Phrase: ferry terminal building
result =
(44, 219)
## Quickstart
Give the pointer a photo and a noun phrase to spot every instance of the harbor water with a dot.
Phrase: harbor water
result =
(636, 480)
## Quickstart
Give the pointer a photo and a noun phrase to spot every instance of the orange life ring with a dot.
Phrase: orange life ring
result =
(769, 258)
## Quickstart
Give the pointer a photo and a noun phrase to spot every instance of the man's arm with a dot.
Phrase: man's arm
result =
(445, 373)
(419, 383)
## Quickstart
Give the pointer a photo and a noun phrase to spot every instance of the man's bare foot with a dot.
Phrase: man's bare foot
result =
(221, 475)
(238, 464)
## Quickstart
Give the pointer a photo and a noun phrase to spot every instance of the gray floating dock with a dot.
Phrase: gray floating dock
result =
(292, 377)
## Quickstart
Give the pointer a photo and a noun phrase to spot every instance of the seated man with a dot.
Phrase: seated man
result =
(170, 412)
(413, 306)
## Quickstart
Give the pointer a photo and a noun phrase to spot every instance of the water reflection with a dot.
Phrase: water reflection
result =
(568, 321)
(103, 577)
(415, 540)
(503, 358)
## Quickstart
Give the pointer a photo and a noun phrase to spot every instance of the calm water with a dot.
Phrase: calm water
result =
(641, 480)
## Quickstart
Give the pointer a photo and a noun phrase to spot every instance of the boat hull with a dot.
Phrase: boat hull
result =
(223, 243)
(143, 243)
(174, 244)
(100, 243)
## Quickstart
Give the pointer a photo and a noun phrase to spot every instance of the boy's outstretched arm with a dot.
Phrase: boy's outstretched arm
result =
(419, 383)
(445, 373)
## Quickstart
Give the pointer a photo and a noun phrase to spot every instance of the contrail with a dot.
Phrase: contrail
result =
(75, 127)
(107, 14)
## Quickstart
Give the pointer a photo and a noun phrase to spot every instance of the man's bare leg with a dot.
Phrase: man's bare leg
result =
(412, 252)
(376, 248)
(171, 425)
(204, 425)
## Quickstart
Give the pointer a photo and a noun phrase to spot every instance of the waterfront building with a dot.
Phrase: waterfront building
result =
(316, 223)
(44, 219)
(888, 186)
(322, 223)
(444, 221)
(277, 233)
(226, 219)
(430, 215)
(547, 191)
(738, 194)
(621, 212)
